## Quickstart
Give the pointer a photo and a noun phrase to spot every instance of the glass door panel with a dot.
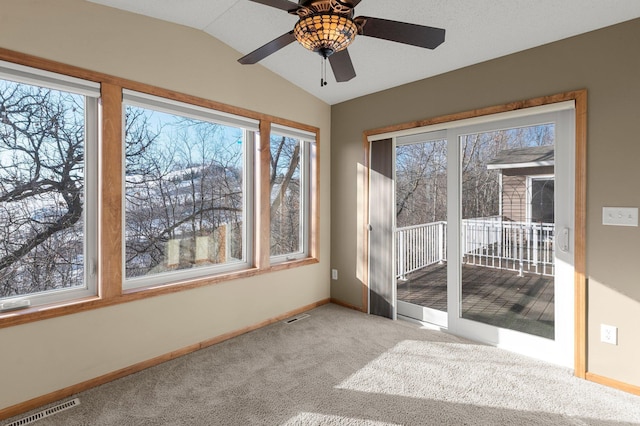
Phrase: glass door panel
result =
(507, 228)
(421, 228)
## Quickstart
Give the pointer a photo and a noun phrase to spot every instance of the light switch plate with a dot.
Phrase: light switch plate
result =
(620, 216)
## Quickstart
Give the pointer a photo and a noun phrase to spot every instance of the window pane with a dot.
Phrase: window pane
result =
(507, 270)
(542, 200)
(421, 226)
(184, 193)
(421, 183)
(287, 195)
(42, 181)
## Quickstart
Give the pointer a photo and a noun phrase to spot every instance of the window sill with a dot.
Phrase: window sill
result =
(53, 310)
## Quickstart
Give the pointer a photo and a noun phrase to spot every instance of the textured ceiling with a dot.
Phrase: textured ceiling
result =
(477, 30)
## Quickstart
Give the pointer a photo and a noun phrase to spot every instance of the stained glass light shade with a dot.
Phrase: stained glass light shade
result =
(325, 33)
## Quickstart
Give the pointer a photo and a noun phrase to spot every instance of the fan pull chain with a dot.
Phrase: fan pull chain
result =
(323, 72)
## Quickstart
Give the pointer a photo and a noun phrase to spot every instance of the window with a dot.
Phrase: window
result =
(188, 192)
(48, 140)
(541, 199)
(291, 150)
(183, 208)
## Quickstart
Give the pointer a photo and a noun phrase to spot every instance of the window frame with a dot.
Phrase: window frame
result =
(90, 91)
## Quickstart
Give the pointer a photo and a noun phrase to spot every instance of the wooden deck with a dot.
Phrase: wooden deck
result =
(492, 296)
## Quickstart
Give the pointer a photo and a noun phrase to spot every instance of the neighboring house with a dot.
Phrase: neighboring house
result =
(526, 183)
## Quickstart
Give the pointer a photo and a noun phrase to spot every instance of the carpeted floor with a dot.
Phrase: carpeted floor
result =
(341, 367)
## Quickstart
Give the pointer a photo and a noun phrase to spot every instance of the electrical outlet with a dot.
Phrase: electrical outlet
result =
(609, 334)
(620, 216)
(334, 274)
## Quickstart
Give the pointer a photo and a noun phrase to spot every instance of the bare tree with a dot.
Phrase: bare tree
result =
(185, 184)
(421, 174)
(421, 183)
(285, 195)
(41, 188)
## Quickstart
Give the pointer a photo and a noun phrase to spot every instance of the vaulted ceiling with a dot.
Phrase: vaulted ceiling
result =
(476, 31)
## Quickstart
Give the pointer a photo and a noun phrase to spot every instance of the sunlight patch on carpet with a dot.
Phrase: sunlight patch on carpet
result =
(317, 419)
(469, 374)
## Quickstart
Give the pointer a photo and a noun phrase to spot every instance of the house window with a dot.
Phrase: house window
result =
(291, 152)
(541, 196)
(188, 190)
(48, 189)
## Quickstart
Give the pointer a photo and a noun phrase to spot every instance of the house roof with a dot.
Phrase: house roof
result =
(534, 156)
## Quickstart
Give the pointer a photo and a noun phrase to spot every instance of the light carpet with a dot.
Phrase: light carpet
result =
(342, 367)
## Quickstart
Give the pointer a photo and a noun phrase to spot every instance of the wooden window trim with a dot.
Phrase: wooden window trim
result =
(110, 273)
(580, 280)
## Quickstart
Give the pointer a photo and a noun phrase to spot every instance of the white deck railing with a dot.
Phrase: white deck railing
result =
(420, 246)
(489, 242)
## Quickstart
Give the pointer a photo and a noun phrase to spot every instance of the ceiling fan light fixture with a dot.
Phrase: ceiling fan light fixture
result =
(325, 33)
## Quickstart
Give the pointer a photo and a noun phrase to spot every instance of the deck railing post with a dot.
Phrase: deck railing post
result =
(521, 251)
(536, 244)
(463, 249)
(441, 242)
(401, 256)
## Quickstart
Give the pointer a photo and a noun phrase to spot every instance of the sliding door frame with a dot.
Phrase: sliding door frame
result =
(580, 280)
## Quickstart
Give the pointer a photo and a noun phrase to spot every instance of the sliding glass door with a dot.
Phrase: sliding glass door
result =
(483, 230)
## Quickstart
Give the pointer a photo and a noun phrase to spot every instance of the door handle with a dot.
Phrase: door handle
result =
(564, 240)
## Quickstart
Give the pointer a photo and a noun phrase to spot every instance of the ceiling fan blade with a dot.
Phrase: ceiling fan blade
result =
(269, 48)
(401, 32)
(285, 5)
(342, 66)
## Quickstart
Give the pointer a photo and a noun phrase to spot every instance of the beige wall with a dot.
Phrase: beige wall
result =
(44, 356)
(607, 64)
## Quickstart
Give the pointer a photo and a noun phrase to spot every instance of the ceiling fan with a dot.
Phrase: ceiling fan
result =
(328, 27)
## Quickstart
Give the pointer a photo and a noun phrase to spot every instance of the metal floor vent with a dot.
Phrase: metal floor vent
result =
(296, 318)
(45, 413)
